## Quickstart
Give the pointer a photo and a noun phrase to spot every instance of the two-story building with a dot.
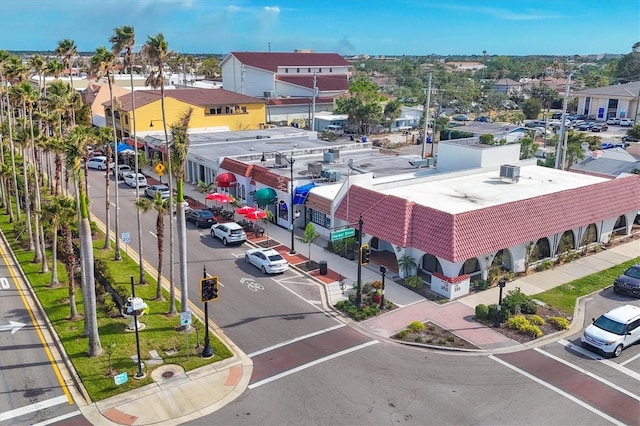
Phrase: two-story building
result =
(601, 103)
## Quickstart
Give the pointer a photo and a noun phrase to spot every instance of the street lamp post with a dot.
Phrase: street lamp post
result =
(501, 285)
(383, 271)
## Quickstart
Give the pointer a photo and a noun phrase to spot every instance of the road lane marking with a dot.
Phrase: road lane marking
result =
(296, 339)
(59, 418)
(154, 235)
(36, 327)
(633, 358)
(589, 354)
(41, 405)
(588, 373)
(313, 363)
(557, 390)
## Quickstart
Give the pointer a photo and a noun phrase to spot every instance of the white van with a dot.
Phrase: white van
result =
(335, 129)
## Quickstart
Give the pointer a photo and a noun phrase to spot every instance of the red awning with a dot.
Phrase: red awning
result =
(130, 142)
(225, 180)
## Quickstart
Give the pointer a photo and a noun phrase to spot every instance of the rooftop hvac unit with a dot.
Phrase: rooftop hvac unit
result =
(269, 94)
(281, 160)
(327, 157)
(334, 175)
(510, 173)
(336, 153)
(315, 169)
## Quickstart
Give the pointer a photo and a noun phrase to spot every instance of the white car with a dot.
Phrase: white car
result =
(626, 122)
(229, 232)
(613, 120)
(121, 170)
(132, 179)
(150, 191)
(613, 331)
(99, 163)
(268, 261)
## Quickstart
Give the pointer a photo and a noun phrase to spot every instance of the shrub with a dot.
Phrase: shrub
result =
(481, 285)
(418, 339)
(402, 334)
(482, 312)
(536, 320)
(533, 330)
(442, 341)
(518, 323)
(514, 300)
(414, 281)
(544, 265)
(529, 307)
(416, 327)
(559, 322)
(493, 313)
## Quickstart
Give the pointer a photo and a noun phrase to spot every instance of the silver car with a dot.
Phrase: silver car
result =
(268, 261)
(229, 232)
(613, 331)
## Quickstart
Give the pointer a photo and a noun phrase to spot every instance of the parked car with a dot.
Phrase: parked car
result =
(335, 129)
(121, 170)
(131, 179)
(586, 126)
(613, 331)
(613, 120)
(229, 232)
(626, 122)
(483, 119)
(268, 261)
(99, 163)
(629, 281)
(150, 191)
(461, 117)
(599, 127)
(200, 217)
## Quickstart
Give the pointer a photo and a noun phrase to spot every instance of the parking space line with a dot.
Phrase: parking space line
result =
(557, 390)
(633, 358)
(589, 354)
(588, 373)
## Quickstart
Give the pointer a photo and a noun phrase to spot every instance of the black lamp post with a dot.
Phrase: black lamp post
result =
(383, 271)
(501, 285)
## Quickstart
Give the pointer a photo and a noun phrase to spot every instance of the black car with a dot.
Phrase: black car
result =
(200, 218)
(483, 119)
(586, 126)
(629, 282)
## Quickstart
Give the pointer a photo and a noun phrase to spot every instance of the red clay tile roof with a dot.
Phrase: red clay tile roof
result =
(199, 97)
(458, 237)
(267, 177)
(272, 60)
(324, 83)
(237, 167)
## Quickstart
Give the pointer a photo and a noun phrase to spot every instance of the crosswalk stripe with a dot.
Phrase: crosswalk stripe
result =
(41, 405)
(609, 363)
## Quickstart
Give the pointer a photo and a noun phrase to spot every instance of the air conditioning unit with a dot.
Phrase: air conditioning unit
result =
(334, 175)
(269, 94)
(327, 157)
(336, 153)
(281, 160)
(510, 173)
(315, 169)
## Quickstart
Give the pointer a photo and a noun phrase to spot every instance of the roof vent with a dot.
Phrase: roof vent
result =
(509, 173)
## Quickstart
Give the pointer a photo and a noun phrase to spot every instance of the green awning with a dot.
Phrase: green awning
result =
(265, 196)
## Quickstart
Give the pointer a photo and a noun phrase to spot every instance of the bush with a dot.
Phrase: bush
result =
(536, 320)
(482, 312)
(416, 327)
(518, 323)
(544, 265)
(493, 313)
(481, 285)
(559, 322)
(533, 331)
(402, 334)
(414, 281)
(514, 300)
(418, 339)
(529, 307)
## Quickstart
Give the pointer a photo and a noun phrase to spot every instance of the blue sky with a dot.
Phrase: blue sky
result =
(398, 27)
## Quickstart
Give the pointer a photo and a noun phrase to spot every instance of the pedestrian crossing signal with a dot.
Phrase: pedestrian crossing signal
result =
(365, 251)
(209, 288)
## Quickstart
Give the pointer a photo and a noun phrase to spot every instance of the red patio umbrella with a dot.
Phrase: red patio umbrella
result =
(218, 197)
(256, 214)
(245, 210)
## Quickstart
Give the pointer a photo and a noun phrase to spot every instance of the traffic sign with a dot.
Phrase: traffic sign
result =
(126, 237)
(343, 233)
(160, 168)
(185, 318)
(121, 378)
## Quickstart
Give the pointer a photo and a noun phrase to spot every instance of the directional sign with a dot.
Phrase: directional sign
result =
(343, 233)
(159, 168)
(121, 378)
(13, 326)
(185, 318)
(126, 237)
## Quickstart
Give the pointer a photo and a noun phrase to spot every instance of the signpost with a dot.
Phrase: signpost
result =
(160, 168)
(126, 238)
(342, 234)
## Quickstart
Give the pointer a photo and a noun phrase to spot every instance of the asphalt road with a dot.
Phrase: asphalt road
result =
(311, 368)
(32, 388)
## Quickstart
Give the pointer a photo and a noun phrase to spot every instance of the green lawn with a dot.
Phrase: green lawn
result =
(160, 334)
(564, 296)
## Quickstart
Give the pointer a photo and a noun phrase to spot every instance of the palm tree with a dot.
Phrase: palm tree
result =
(74, 150)
(58, 102)
(179, 149)
(268, 218)
(37, 64)
(156, 50)
(67, 51)
(161, 207)
(124, 38)
(53, 68)
(310, 235)
(59, 211)
(407, 264)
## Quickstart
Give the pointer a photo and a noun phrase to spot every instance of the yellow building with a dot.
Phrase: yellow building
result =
(213, 110)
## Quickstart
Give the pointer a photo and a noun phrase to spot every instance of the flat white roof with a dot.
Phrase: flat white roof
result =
(476, 191)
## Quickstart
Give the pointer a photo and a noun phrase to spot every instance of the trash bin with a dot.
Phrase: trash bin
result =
(323, 267)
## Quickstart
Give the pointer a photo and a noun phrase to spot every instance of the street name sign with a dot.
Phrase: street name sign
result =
(343, 233)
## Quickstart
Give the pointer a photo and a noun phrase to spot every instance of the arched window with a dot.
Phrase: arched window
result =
(566, 242)
(590, 235)
(620, 228)
(470, 267)
(430, 263)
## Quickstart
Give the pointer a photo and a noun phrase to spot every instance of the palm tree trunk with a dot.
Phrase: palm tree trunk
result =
(27, 199)
(55, 282)
(182, 248)
(160, 232)
(107, 221)
(12, 151)
(40, 255)
(172, 293)
(70, 266)
(118, 255)
(137, 166)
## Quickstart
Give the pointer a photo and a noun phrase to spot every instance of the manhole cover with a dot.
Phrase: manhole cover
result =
(167, 374)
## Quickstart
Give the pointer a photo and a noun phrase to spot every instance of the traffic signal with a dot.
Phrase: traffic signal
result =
(209, 288)
(365, 251)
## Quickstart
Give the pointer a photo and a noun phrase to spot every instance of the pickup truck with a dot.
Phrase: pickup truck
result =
(121, 170)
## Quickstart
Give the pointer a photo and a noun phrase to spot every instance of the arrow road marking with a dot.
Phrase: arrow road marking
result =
(13, 326)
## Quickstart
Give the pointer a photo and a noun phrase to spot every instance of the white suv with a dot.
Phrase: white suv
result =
(613, 331)
(229, 232)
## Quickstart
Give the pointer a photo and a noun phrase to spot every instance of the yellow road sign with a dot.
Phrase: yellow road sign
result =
(160, 169)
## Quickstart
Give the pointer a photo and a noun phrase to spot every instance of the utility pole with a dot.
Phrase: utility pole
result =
(426, 120)
(359, 288)
(313, 105)
(561, 147)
